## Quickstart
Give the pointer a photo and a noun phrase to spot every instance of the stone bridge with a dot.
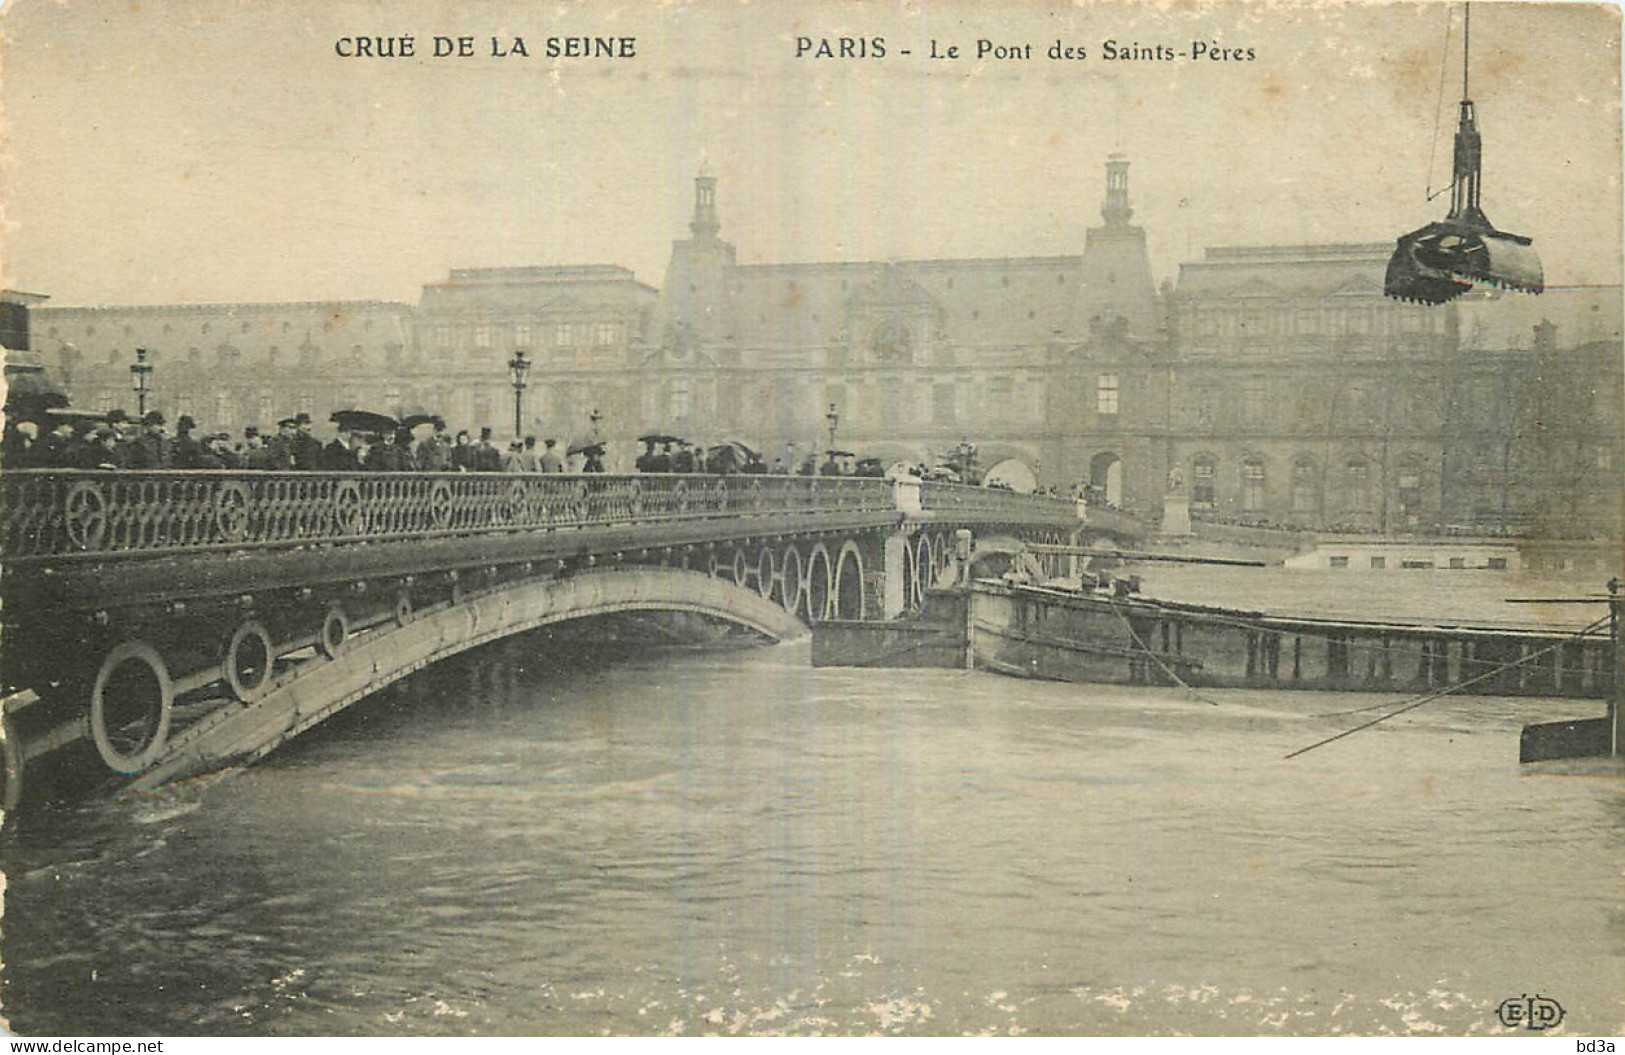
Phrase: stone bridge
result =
(161, 624)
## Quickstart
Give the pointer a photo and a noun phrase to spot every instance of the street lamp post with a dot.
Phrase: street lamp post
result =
(834, 419)
(140, 370)
(595, 418)
(518, 367)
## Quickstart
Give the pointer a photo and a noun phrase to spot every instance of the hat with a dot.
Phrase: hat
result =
(251, 430)
(551, 442)
(153, 417)
(114, 416)
(105, 432)
(287, 423)
(301, 418)
(485, 432)
(184, 423)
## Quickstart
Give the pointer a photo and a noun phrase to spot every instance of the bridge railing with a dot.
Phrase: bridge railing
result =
(55, 513)
(995, 503)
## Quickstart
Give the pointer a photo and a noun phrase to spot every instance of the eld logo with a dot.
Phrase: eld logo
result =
(1530, 1012)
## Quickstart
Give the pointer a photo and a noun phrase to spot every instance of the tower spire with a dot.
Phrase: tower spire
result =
(705, 223)
(1116, 210)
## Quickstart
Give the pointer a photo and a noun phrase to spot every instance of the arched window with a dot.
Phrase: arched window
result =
(1252, 485)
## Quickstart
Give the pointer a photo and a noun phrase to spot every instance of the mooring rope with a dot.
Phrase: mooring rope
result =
(1431, 696)
(1166, 669)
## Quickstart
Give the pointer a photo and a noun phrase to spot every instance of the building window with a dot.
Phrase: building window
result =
(1000, 391)
(1357, 485)
(564, 335)
(521, 335)
(1252, 485)
(224, 411)
(482, 336)
(1202, 472)
(1303, 487)
(1338, 561)
(682, 398)
(442, 336)
(605, 334)
(265, 409)
(1379, 563)
(1252, 402)
(1106, 394)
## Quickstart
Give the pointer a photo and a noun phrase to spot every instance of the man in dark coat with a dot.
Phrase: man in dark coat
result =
(103, 452)
(434, 453)
(340, 455)
(487, 459)
(304, 449)
(186, 452)
(151, 449)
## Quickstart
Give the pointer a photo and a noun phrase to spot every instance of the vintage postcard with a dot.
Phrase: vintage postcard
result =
(835, 518)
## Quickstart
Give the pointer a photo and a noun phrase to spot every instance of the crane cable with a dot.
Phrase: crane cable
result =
(1438, 110)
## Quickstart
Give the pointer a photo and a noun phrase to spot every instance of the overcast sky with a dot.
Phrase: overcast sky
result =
(217, 151)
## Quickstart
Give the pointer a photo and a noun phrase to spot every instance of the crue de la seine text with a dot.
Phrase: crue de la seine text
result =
(437, 46)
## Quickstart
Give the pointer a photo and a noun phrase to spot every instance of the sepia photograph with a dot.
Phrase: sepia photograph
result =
(903, 518)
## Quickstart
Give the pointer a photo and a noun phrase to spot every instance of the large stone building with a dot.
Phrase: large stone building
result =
(1276, 383)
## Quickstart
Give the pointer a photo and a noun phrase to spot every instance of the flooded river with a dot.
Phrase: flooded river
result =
(529, 839)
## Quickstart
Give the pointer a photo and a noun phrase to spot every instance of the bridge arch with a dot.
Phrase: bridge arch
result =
(370, 661)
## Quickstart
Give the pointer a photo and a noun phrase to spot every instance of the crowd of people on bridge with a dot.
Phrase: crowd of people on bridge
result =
(114, 441)
(70, 439)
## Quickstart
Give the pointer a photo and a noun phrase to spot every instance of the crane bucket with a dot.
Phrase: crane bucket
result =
(1443, 260)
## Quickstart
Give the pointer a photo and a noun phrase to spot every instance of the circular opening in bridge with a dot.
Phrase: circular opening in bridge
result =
(790, 581)
(764, 572)
(849, 584)
(820, 579)
(335, 630)
(130, 707)
(249, 657)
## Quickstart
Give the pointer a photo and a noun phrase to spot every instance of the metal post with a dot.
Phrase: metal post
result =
(518, 367)
(1616, 702)
(140, 370)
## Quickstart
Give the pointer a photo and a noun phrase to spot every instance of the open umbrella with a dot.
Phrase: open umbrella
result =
(32, 392)
(585, 447)
(364, 421)
(943, 473)
(659, 437)
(744, 450)
(840, 454)
(421, 417)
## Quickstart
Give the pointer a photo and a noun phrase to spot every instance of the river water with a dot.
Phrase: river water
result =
(545, 837)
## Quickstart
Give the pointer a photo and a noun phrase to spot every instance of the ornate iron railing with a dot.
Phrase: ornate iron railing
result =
(987, 503)
(50, 513)
(57, 513)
